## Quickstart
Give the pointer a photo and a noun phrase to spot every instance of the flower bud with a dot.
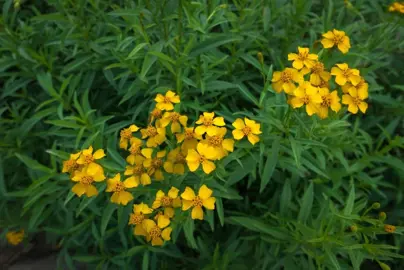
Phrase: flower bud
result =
(260, 58)
(382, 216)
(223, 6)
(384, 266)
(389, 228)
(354, 228)
(376, 205)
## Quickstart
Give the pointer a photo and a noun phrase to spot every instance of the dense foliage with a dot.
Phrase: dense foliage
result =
(312, 193)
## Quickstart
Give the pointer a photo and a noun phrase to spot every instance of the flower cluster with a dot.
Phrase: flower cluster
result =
(397, 7)
(15, 237)
(308, 82)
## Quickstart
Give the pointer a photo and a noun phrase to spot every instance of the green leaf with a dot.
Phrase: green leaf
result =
(106, 217)
(212, 43)
(270, 164)
(134, 52)
(220, 211)
(189, 228)
(33, 164)
(306, 205)
(45, 80)
(247, 166)
(333, 259)
(350, 201)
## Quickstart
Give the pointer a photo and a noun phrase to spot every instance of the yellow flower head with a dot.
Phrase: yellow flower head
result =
(303, 58)
(135, 150)
(16, 237)
(330, 100)
(396, 6)
(120, 195)
(248, 128)
(207, 123)
(362, 87)
(126, 136)
(355, 100)
(306, 94)
(175, 119)
(344, 74)
(204, 198)
(156, 135)
(155, 114)
(336, 38)
(319, 74)
(154, 164)
(175, 161)
(138, 217)
(71, 165)
(285, 80)
(201, 156)
(217, 145)
(158, 233)
(138, 172)
(85, 179)
(87, 157)
(189, 139)
(165, 103)
(167, 201)
(389, 228)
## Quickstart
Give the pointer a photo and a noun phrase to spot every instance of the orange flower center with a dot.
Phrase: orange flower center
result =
(156, 113)
(346, 73)
(303, 55)
(246, 130)
(71, 165)
(202, 159)
(167, 100)
(119, 187)
(88, 159)
(215, 141)
(326, 101)
(126, 133)
(323, 84)
(389, 228)
(157, 163)
(151, 131)
(138, 169)
(180, 158)
(136, 219)
(338, 39)
(189, 134)
(306, 99)
(87, 180)
(197, 201)
(317, 68)
(207, 122)
(175, 117)
(356, 100)
(166, 201)
(286, 76)
(135, 149)
(155, 232)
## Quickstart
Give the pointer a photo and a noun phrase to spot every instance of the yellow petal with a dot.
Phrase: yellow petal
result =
(238, 123)
(297, 64)
(197, 213)
(253, 139)
(341, 80)
(204, 192)
(228, 144)
(329, 35)
(115, 198)
(169, 166)
(125, 197)
(165, 234)
(192, 156)
(186, 205)
(296, 102)
(276, 76)
(145, 179)
(163, 221)
(131, 182)
(208, 166)
(99, 154)
(238, 134)
(200, 130)
(79, 189)
(292, 56)
(157, 241)
(177, 202)
(179, 169)
(327, 43)
(175, 127)
(93, 168)
(173, 192)
(139, 230)
(159, 175)
(311, 109)
(219, 121)
(147, 152)
(183, 120)
(169, 212)
(192, 165)
(148, 224)
(209, 203)
(363, 106)
(188, 194)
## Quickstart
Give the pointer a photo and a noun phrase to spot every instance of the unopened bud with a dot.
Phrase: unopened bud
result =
(260, 58)
(389, 228)
(384, 266)
(354, 228)
(376, 205)
(382, 216)
(223, 6)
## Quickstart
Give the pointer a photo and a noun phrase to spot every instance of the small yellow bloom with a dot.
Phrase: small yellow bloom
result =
(126, 135)
(355, 100)
(16, 237)
(201, 156)
(85, 178)
(165, 103)
(154, 164)
(344, 74)
(138, 172)
(87, 157)
(303, 58)
(204, 198)
(120, 195)
(396, 6)
(207, 123)
(306, 94)
(330, 100)
(319, 74)
(248, 128)
(71, 165)
(158, 233)
(138, 217)
(155, 114)
(167, 201)
(175, 161)
(362, 87)
(189, 139)
(156, 135)
(217, 145)
(285, 80)
(336, 38)
(389, 228)
(135, 150)
(175, 119)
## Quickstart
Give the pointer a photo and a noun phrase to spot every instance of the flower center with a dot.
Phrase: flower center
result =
(126, 133)
(286, 76)
(175, 117)
(136, 219)
(135, 149)
(180, 158)
(215, 140)
(246, 130)
(323, 84)
(197, 201)
(326, 101)
(138, 169)
(166, 201)
(88, 159)
(317, 68)
(302, 56)
(71, 165)
(157, 163)
(167, 100)
(119, 187)
(202, 159)
(207, 122)
(346, 73)
(155, 232)
(338, 39)
(306, 99)
(189, 134)
(356, 100)
(156, 113)
(87, 180)
(151, 131)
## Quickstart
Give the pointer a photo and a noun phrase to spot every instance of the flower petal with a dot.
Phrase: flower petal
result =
(166, 234)
(188, 194)
(197, 213)
(204, 192)
(209, 203)
(99, 154)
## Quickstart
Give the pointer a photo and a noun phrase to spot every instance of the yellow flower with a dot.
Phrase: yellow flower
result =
(207, 123)
(120, 195)
(285, 80)
(135, 150)
(336, 38)
(71, 165)
(189, 139)
(156, 135)
(167, 201)
(138, 172)
(165, 103)
(85, 178)
(155, 114)
(247, 128)
(344, 74)
(201, 156)
(330, 100)
(318, 74)
(126, 135)
(175, 161)
(158, 233)
(362, 87)
(175, 119)
(16, 237)
(303, 58)
(137, 218)
(154, 164)
(355, 100)
(204, 198)
(389, 228)
(217, 145)
(306, 94)
(87, 157)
